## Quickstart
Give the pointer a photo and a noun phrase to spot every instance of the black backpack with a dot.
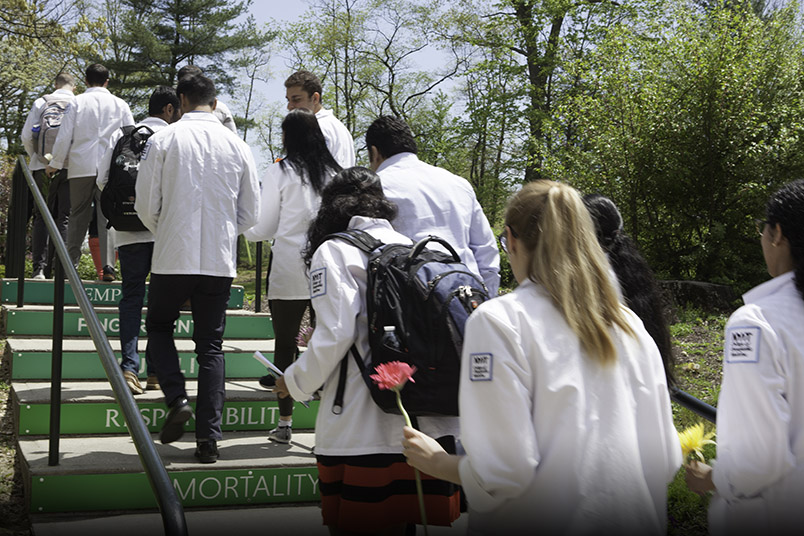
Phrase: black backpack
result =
(418, 301)
(117, 198)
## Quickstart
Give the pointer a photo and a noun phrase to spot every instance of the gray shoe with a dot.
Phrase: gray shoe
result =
(133, 382)
(280, 434)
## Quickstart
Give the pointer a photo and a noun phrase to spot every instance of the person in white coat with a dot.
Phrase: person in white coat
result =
(56, 190)
(564, 411)
(221, 111)
(758, 476)
(303, 90)
(290, 197)
(365, 484)
(196, 191)
(83, 137)
(136, 248)
(431, 200)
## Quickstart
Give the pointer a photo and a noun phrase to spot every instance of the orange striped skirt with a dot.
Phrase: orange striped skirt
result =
(372, 492)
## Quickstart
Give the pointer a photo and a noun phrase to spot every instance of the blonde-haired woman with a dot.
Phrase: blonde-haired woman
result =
(564, 410)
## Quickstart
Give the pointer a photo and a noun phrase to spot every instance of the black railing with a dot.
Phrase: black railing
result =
(169, 504)
(693, 404)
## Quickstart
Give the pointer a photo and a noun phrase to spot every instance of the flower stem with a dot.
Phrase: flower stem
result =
(419, 490)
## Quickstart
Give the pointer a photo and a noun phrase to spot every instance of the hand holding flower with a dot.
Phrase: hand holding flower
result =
(699, 477)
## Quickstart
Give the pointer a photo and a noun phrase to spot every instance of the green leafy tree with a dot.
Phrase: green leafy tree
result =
(690, 120)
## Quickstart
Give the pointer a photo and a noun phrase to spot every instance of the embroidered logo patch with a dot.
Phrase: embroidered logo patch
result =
(481, 369)
(742, 345)
(318, 283)
(144, 154)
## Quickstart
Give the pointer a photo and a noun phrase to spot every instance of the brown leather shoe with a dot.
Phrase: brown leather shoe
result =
(152, 384)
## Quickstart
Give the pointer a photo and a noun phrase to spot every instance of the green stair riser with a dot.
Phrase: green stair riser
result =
(41, 292)
(87, 366)
(22, 322)
(107, 418)
(126, 491)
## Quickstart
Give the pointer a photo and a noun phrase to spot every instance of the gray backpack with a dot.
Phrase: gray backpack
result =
(45, 132)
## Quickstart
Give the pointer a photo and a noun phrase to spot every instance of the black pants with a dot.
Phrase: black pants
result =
(56, 192)
(286, 316)
(209, 297)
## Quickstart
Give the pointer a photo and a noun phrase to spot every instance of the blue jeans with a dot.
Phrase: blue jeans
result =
(135, 264)
(209, 297)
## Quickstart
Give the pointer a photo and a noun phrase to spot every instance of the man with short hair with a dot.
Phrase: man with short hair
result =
(303, 90)
(135, 249)
(83, 137)
(221, 111)
(197, 190)
(431, 200)
(55, 190)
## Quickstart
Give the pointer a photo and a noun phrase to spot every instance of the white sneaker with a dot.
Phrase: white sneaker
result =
(280, 434)
(39, 274)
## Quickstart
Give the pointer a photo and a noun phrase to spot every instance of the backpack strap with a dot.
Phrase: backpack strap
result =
(337, 404)
(359, 239)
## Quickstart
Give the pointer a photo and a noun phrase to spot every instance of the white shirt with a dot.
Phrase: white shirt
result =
(554, 439)
(84, 134)
(225, 116)
(36, 163)
(338, 289)
(339, 139)
(759, 471)
(125, 238)
(288, 205)
(197, 189)
(433, 201)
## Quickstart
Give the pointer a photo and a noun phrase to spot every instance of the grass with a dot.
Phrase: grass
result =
(698, 341)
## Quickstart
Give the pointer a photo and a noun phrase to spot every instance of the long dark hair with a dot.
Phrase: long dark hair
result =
(786, 207)
(637, 282)
(354, 191)
(306, 148)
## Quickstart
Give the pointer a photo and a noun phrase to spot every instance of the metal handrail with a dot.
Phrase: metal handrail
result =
(170, 506)
(693, 404)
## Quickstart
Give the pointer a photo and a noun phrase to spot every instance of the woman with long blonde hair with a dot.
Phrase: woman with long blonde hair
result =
(564, 410)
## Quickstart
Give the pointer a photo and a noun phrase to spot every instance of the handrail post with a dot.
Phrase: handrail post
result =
(17, 232)
(258, 280)
(166, 497)
(56, 362)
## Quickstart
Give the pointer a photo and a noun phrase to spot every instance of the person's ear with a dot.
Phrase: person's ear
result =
(214, 104)
(777, 236)
(316, 97)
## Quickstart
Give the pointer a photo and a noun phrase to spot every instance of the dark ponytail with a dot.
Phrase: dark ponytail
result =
(786, 207)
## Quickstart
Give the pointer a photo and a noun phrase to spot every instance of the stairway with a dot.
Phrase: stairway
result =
(99, 470)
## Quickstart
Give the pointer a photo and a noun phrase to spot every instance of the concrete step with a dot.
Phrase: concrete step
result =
(99, 293)
(105, 473)
(90, 408)
(38, 320)
(31, 358)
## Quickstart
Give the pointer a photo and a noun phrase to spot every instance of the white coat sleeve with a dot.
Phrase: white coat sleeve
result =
(336, 300)
(27, 134)
(497, 467)
(753, 416)
(106, 160)
(148, 188)
(248, 196)
(483, 244)
(64, 139)
(270, 202)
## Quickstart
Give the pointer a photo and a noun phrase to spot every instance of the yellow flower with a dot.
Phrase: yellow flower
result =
(693, 440)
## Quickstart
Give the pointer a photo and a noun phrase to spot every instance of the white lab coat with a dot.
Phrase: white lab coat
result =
(125, 238)
(288, 205)
(433, 201)
(338, 289)
(36, 161)
(338, 138)
(197, 189)
(759, 471)
(557, 443)
(225, 116)
(89, 122)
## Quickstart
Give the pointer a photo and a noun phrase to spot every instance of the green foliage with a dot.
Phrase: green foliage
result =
(688, 121)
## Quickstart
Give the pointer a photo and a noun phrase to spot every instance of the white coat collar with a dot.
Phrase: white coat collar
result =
(323, 112)
(199, 116)
(96, 89)
(769, 287)
(151, 121)
(397, 158)
(363, 223)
